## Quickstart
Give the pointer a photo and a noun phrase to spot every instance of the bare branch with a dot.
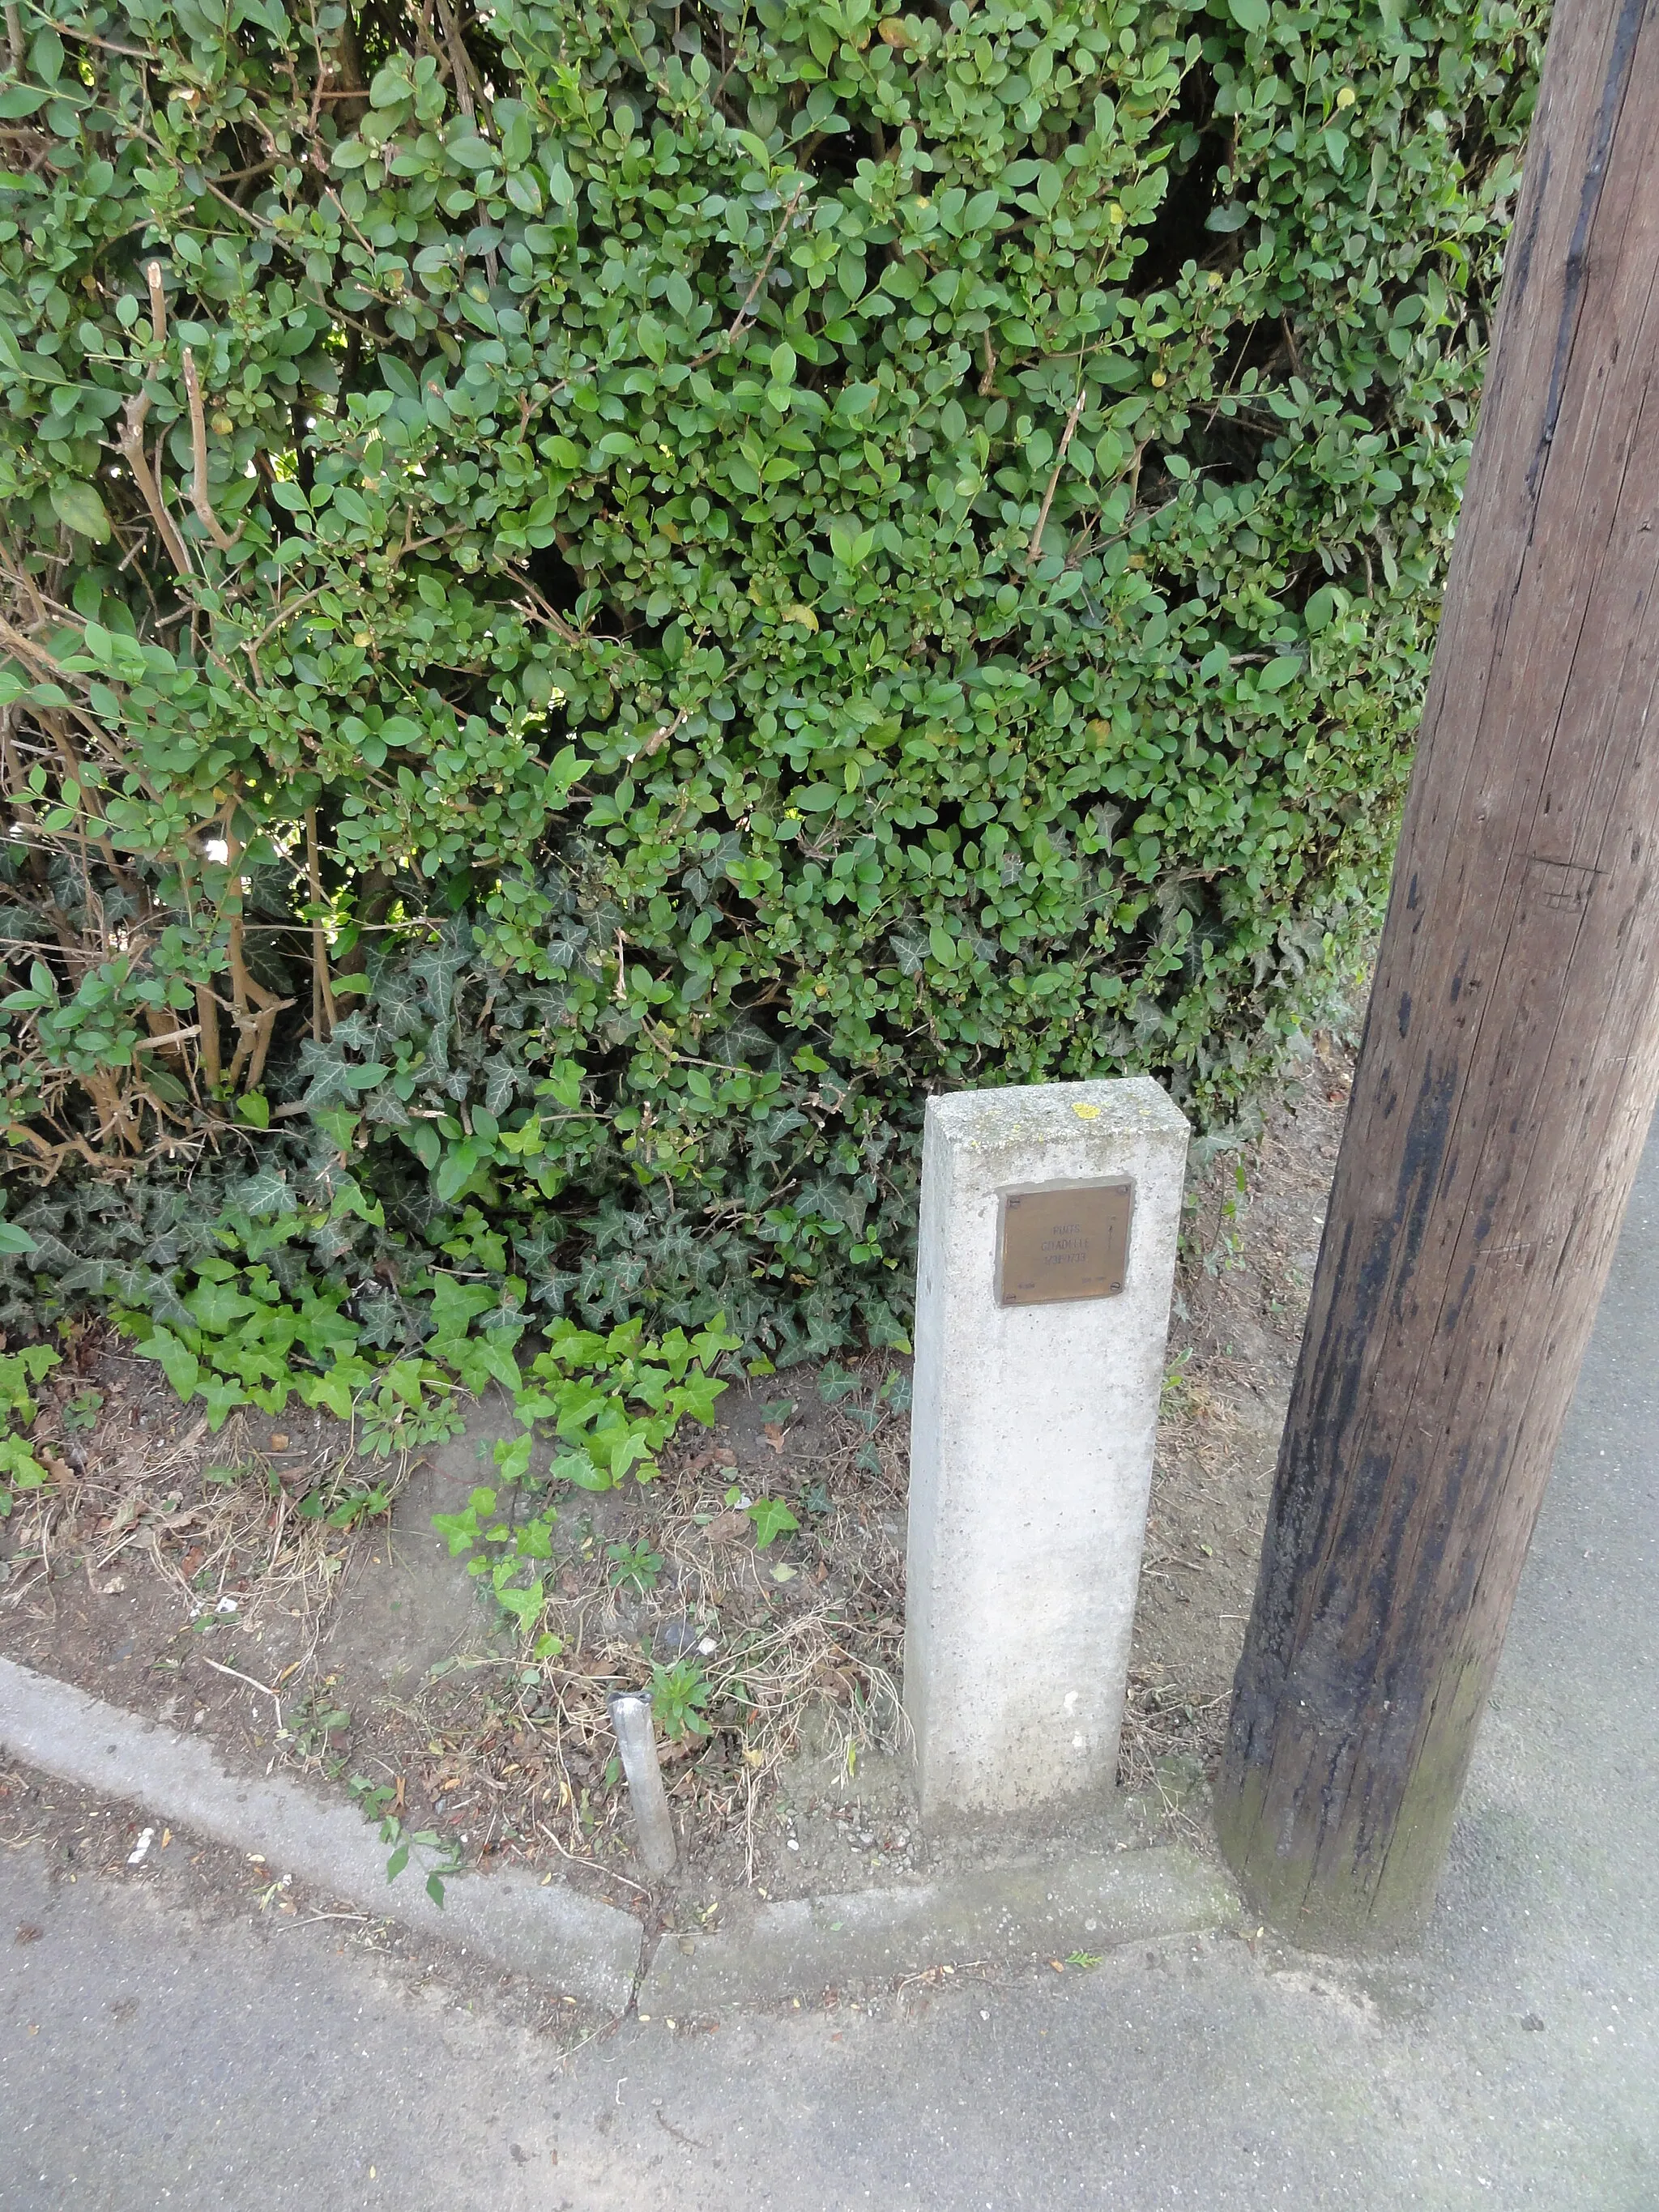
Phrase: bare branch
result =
(207, 1015)
(199, 483)
(659, 738)
(251, 645)
(131, 438)
(460, 65)
(86, 38)
(323, 1014)
(1067, 436)
(753, 293)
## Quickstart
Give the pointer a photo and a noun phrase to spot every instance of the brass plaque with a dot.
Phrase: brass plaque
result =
(1068, 1240)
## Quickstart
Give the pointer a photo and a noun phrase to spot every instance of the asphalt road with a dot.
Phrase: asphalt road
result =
(150, 2056)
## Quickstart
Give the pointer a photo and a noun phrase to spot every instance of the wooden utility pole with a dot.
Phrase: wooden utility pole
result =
(1509, 1066)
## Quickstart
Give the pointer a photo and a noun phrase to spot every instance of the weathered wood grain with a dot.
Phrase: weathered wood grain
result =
(1509, 1066)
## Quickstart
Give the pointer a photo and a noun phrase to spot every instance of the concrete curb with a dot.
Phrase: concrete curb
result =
(1004, 1914)
(593, 1951)
(576, 1945)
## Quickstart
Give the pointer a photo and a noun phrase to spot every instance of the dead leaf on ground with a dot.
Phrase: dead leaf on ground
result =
(715, 1456)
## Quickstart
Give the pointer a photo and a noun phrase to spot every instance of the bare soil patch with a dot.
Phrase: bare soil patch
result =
(283, 1592)
(1255, 1217)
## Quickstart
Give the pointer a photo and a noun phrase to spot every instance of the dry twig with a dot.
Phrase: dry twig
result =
(1067, 436)
(753, 293)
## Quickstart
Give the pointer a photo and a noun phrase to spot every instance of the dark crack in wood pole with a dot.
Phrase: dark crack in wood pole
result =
(1508, 1070)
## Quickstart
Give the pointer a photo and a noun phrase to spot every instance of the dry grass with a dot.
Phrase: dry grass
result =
(512, 1758)
(519, 1757)
(211, 1521)
(1170, 1743)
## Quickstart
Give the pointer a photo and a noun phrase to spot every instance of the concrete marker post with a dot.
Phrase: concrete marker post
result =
(1043, 1302)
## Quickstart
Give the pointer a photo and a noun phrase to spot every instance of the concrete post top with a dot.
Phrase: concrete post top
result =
(1016, 1120)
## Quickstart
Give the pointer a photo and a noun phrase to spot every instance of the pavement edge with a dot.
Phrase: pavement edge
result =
(575, 1944)
(1089, 1903)
(801, 1947)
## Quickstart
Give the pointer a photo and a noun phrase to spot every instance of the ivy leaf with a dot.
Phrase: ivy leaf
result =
(770, 1517)
(266, 1193)
(526, 1605)
(177, 1362)
(577, 1467)
(457, 1169)
(512, 1457)
(215, 1306)
(222, 1397)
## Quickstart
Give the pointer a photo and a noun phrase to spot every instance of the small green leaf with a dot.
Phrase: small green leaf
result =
(1321, 608)
(424, 1142)
(80, 506)
(391, 84)
(770, 1517)
(473, 152)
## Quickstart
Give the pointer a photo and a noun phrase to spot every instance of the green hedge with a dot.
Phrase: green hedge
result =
(599, 597)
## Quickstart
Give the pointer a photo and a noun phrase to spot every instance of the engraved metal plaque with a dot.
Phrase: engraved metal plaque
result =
(1066, 1240)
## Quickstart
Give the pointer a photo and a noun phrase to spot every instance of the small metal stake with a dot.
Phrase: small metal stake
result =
(630, 1716)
